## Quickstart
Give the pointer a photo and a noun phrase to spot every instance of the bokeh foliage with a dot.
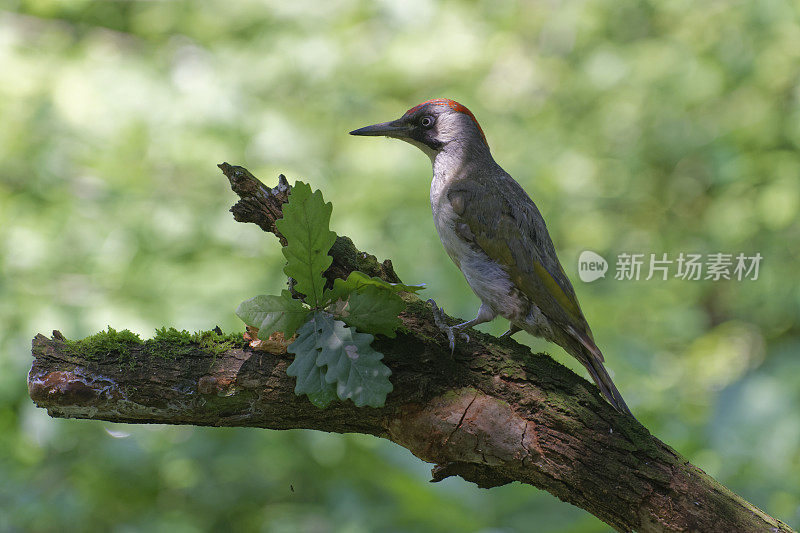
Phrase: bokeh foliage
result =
(636, 126)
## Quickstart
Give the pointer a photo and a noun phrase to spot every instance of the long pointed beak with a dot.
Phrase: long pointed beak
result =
(395, 128)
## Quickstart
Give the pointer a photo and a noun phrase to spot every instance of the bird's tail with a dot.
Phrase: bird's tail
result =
(604, 383)
(591, 357)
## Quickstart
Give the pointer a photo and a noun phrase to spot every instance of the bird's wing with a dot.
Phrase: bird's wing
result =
(505, 223)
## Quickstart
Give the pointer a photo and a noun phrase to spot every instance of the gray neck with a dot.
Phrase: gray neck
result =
(456, 161)
(458, 158)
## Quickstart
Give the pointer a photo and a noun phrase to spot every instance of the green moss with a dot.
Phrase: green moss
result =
(346, 252)
(170, 343)
(167, 343)
(215, 342)
(182, 337)
(104, 343)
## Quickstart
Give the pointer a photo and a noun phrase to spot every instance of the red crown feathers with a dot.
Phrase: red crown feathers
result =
(455, 106)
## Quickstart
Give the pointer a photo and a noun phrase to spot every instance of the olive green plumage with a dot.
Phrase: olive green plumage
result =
(500, 219)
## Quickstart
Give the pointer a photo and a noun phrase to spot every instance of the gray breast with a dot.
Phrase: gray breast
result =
(486, 278)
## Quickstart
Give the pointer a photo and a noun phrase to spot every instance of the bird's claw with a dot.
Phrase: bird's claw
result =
(450, 331)
(451, 337)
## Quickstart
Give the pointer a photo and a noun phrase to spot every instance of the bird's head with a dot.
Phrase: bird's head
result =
(432, 126)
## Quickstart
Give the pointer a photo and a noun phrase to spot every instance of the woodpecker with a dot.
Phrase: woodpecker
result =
(494, 233)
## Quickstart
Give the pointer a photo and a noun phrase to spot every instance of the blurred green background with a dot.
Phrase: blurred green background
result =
(650, 127)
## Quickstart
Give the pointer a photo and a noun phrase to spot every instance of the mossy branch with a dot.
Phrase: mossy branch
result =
(492, 413)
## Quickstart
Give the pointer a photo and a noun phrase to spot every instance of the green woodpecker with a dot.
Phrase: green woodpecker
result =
(494, 233)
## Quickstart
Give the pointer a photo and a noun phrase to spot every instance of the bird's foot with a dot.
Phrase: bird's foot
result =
(511, 330)
(450, 331)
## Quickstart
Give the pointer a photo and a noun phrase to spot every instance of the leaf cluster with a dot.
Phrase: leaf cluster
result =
(334, 325)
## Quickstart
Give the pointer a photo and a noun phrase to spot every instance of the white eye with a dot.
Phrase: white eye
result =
(426, 122)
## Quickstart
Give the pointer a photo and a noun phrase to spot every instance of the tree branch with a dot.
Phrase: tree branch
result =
(492, 413)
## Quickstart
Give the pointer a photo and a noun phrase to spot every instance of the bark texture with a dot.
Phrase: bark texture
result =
(492, 413)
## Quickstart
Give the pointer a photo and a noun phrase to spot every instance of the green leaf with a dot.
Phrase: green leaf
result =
(353, 365)
(359, 280)
(305, 224)
(372, 310)
(344, 356)
(310, 377)
(273, 313)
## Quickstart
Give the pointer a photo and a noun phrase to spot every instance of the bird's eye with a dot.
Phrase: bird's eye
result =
(426, 122)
